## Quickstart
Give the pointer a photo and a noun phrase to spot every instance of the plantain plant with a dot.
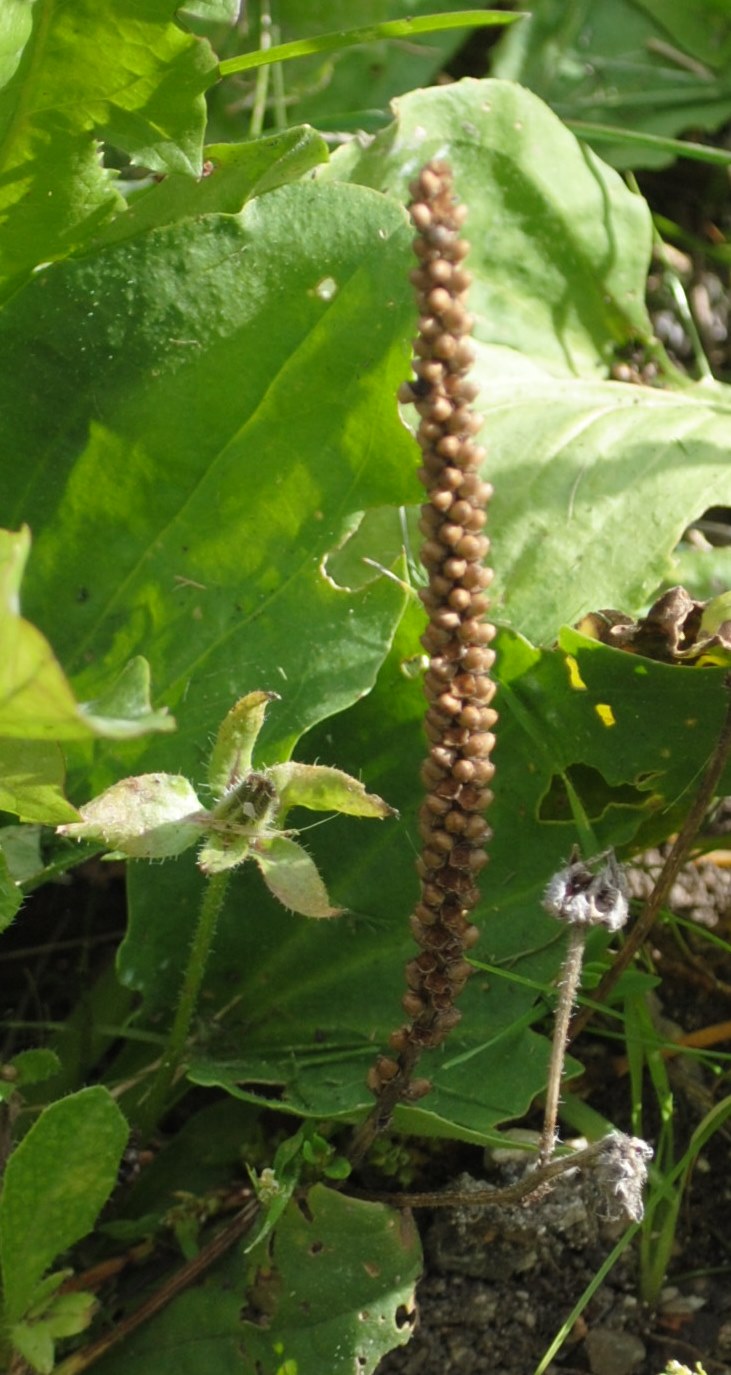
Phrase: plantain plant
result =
(210, 497)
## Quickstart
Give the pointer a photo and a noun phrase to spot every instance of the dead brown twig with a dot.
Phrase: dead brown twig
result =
(87, 1356)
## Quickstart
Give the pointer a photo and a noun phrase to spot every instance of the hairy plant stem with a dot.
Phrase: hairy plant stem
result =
(153, 1105)
(674, 862)
(619, 1163)
(530, 1183)
(567, 990)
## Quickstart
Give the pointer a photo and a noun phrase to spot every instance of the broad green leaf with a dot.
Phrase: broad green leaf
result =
(682, 713)
(232, 174)
(38, 707)
(371, 1260)
(560, 250)
(219, 399)
(21, 848)
(335, 1286)
(91, 72)
(596, 458)
(212, 11)
(291, 876)
(56, 1182)
(324, 789)
(17, 22)
(702, 31)
(632, 736)
(560, 246)
(10, 894)
(657, 66)
(32, 777)
(36, 700)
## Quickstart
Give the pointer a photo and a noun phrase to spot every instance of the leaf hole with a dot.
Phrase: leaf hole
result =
(595, 793)
(306, 1212)
(255, 1316)
(257, 1310)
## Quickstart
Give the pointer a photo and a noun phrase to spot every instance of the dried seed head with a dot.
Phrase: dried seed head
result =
(418, 1088)
(399, 1039)
(413, 1004)
(373, 1080)
(457, 685)
(621, 1172)
(580, 897)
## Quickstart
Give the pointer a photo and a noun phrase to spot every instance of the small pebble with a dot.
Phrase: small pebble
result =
(613, 1352)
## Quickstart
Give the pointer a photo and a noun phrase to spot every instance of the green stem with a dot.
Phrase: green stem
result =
(279, 103)
(261, 88)
(153, 1105)
(614, 133)
(346, 38)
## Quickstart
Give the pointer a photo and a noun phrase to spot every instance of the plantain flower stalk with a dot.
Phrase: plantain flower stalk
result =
(459, 690)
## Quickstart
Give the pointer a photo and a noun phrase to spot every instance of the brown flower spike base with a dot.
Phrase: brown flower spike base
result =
(458, 687)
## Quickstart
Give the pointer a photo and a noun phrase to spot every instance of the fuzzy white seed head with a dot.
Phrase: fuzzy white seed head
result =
(580, 897)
